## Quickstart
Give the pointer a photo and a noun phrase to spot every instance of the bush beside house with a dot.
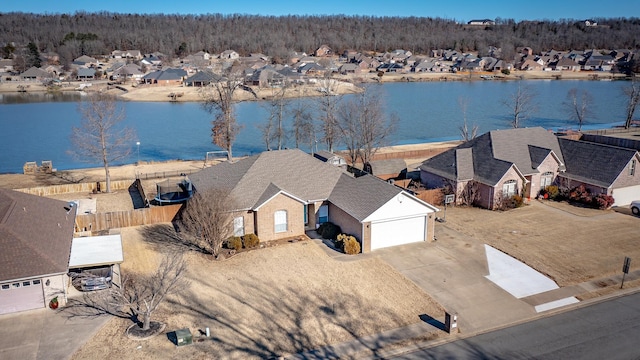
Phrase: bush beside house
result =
(579, 194)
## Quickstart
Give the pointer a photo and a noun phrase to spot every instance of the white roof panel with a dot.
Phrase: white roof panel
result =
(96, 251)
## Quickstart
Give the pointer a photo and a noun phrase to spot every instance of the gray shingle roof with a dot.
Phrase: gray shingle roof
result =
(597, 164)
(387, 166)
(293, 171)
(35, 235)
(362, 196)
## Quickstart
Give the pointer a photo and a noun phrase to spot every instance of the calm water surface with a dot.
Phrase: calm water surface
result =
(36, 128)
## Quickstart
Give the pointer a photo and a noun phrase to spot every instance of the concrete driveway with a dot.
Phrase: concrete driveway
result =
(452, 270)
(44, 334)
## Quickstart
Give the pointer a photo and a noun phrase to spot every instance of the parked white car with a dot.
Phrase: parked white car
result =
(635, 207)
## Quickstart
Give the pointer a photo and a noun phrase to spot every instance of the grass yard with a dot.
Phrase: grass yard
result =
(569, 244)
(267, 303)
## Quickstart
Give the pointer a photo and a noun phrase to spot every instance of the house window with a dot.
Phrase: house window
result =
(509, 188)
(632, 167)
(305, 211)
(36, 282)
(15, 285)
(280, 218)
(546, 180)
(323, 214)
(26, 283)
(238, 226)
(5, 286)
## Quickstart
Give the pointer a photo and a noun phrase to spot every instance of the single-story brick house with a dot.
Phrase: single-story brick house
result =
(282, 194)
(502, 163)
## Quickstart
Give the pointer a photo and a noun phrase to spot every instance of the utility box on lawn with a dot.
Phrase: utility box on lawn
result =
(183, 337)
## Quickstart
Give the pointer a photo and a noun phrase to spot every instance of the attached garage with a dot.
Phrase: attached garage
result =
(35, 234)
(625, 195)
(398, 232)
(21, 295)
(392, 217)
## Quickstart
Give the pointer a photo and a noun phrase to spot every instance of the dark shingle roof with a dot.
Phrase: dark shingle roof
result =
(493, 153)
(35, 235)
(355, 196)
(597, 164)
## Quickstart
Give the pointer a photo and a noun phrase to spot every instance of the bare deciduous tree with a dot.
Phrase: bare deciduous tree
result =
(274, 129)
(303, 128)
(218, 100)
(327, 108)
(632, 93)
(364, 126)
(578, 105)
(139, 296)
(208, 218)
(100, 137)
(520, 104)
(466, 132)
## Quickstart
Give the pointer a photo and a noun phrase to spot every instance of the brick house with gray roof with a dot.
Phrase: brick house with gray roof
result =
(283, 194)
(35, 236)
(503, 163)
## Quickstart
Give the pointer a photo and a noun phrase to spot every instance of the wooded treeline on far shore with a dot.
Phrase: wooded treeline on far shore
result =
(72, 35)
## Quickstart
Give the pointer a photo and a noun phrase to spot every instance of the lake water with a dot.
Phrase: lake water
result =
(37, 127)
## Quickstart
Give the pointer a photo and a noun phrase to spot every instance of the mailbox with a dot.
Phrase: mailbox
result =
(450, 321)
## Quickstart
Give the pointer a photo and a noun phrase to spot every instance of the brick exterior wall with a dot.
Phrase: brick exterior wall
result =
(249, 223)
(432, 181)
(550, 164)
(348, 224)
(625, 179)
(265, 222)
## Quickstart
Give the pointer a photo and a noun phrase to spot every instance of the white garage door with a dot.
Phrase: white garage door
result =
(398, 232)
(21, 296)
(624, 196)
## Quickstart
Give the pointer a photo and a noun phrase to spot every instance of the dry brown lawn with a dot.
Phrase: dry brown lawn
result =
(569, 244)
(267, 302)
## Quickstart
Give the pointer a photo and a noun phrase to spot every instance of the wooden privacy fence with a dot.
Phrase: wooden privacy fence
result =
(120, 219)
(74, 188)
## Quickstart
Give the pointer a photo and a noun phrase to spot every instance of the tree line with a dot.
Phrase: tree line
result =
(72, 35)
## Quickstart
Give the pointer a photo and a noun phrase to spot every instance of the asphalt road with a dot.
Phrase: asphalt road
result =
(606, 330)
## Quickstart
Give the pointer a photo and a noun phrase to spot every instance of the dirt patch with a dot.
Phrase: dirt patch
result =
(567, 247)
(267, 302)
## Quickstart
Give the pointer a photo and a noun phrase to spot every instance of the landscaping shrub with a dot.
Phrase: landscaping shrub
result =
(580, 194)
(603, 201)
(552, 191)
(250, 241)
(506, 71)
(351, 246)
(329, 230)
(512, 202)
(234, 242)
(339, 241)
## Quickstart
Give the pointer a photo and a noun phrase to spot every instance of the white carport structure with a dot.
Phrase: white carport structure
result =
(95, 251)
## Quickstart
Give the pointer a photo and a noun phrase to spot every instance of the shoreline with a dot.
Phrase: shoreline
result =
(348, 84)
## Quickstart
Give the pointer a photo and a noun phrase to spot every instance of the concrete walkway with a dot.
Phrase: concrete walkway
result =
(44, 334)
